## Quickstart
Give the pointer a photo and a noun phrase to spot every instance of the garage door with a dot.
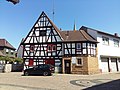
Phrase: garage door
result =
(113, 65)
(119, 65)
(104, 65)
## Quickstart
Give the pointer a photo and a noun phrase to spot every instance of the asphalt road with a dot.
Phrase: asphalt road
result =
(15, 81)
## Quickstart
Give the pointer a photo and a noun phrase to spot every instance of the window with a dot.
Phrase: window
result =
(78, 48)
(54, 48)
(51, 48)
(40, 66)
(84, 46)
(43, 32)
(7, 51)
(116, 43)
(79, 62)
(12, 52)
(32, 47)
(78, 45)
(105, 40)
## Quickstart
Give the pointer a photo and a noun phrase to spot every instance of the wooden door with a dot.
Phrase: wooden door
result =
(67, 64)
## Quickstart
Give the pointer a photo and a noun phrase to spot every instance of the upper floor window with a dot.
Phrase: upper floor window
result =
(116, 43)
(54, 48)
(12, 52)
(32, 47)
(51, 47)
(7, 51)
(105, 40)
(79, 48)
(43, 32)
(78, 45)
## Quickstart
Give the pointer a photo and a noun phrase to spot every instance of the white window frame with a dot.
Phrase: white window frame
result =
(116, 43)
(79, 46)
(12, 52)
(7, 50)
(78, 63)
(105, 40)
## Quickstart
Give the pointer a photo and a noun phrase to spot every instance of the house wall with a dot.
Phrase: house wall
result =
(81, 69)
(8, 52)
(90, 66)
(106, 51)
(93, 65)
(20, 52)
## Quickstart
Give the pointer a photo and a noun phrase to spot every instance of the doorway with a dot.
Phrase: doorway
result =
(67, 66)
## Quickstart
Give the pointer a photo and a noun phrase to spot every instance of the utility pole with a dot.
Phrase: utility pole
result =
(13, 1)
(53, 11)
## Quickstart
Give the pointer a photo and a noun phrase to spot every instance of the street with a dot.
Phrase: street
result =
(15, 81)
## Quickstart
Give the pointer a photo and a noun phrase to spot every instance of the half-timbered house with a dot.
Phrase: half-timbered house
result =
(69, 51)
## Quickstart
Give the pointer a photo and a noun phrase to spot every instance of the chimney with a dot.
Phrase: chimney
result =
(67, 35)
(116, 34)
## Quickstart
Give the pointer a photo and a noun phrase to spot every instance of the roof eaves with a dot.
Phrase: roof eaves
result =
(98, 31)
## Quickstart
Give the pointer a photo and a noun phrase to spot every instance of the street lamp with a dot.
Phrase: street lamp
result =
(13, 1)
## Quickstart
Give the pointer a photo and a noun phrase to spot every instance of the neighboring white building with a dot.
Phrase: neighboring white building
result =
(108, 50)
(20, 50)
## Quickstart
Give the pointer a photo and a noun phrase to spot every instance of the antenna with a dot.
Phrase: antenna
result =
(53, 11)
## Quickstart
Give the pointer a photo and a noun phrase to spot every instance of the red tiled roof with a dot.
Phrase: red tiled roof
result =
(5, 43)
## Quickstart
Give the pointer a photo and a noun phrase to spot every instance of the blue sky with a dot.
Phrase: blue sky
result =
(17, 20)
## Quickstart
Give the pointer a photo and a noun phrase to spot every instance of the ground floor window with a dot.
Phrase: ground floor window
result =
(79, 62)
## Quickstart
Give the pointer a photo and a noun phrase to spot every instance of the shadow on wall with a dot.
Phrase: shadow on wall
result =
(113, 85)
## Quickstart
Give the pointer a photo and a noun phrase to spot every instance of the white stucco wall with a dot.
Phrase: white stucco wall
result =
(109, 50)
(105, 50)
(20, 52)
